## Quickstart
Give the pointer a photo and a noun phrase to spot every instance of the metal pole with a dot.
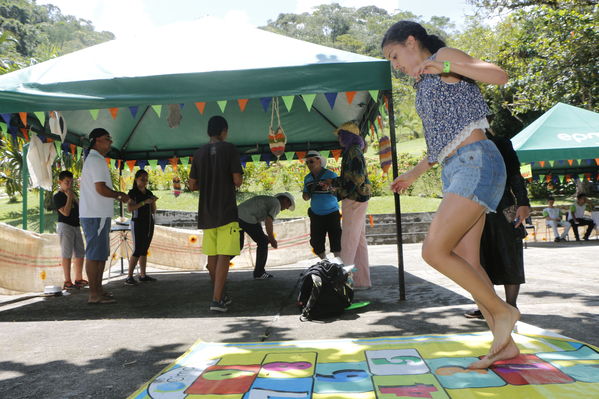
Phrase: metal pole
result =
(400, 265)
(25, 180)
(42, 218)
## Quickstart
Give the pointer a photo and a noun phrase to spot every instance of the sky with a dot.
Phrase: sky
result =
(125, 18)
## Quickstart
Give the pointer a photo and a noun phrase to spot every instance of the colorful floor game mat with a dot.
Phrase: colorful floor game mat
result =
(427, 366)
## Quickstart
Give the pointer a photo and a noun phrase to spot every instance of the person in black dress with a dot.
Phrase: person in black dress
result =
(142, 205)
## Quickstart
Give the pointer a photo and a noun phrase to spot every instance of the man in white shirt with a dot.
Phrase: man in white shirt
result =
(96, 211)
(553, 219)
(578, 218)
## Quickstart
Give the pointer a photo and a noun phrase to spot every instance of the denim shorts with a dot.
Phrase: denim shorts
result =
(97, 238)
(477, 172)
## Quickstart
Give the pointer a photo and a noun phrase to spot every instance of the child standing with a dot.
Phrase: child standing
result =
(324, 208)
(142, 204)
(69, 230)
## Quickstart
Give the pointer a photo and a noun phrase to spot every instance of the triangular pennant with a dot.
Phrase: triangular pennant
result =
(73, 149)
(6, 118)
(118, 164)
(153, 163)
(578, 161)
(41, 116)
(243, 159)
(541, 177)
(142, 163)
(174, 161)
(25, 134)
(326, 153)
(379, 119)
(588, 176)
(256, 158)
(112, 164)
(551, 163)
(157, 109)
(336, 154)
(563, 178)
(163, 163)
(301, 155)
(309, 100)
(331, 97)
(374, 94)
(79, 150)
(267, 158)
(542, 163)
(581, 177)
(386, 104)
(113, 112)
(131, 165)
(107, 162)
(200, 106)
(133, 109)
(288, 100)
(350, 96)
(184, 161)
(94, 113)
(57, 146)
(570, 162)
(181, 105)
(3, 127)
(23, 116)
(597, 161)
(289, 155)
(242, 102)
(265, 101)
(222, 104)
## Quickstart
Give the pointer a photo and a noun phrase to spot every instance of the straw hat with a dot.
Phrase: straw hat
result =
(350, 127)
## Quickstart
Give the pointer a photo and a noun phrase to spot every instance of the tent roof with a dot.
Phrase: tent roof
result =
(564, 132)
(200, 61)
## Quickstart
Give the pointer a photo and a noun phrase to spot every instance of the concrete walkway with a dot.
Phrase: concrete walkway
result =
(60, 347)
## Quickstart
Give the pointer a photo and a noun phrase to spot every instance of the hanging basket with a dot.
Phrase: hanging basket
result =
(276, 137)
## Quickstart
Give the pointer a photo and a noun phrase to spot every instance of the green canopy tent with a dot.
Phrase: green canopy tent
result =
(136, 87)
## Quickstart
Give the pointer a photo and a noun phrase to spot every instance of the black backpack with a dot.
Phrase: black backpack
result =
(324, 291)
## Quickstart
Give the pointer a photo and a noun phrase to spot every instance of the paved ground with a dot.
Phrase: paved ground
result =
(61, 347)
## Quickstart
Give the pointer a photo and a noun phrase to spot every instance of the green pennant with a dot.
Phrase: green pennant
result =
(79, 149)
(58, 149)
(222, 104)
(112, 163)
(94, 113)
(288, 100)
(289, 155)
(309, 100)
(326, 153)
(561, 178)
(41, 116)
(551, 163)
(374, 94)
(153, 163)
(157, 109)
(256, 158)
(184, 161)
(3, 127)
(541, 178)
(581, 177)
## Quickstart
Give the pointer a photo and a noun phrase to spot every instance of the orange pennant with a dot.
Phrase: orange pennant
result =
(597, 161)
(371, 219)
(386, 103)
(570, 161)
(131, 164)
(118, 164)
(350, 96)
(200, 106)
(107, 162)
(336, 154)
(23, 116)
(73, 148)
(174, 162)
(542, 163)
(113, 112)
(25, 133)
(380, 121)
(242, 103)
(301, 155)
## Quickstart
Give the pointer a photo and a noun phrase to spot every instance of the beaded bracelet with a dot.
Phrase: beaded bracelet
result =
(446, 67)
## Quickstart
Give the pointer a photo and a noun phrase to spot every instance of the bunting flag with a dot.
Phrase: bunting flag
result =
(181, 105)
(588, 176)
(157, 109)
(350, 96)
(386, 100)
(131, 165)
(174, 161)
(243, 159)
(542, 163)
(331, 97)
(142, 163)
(79, 150)
(242, 102)
(23, 116)
(6, 118)
(112, 164)
(94, 113)
(163, 163)
(551, 163)
(289, 155)
(371, 130)
(41, 116)
(118, 164)
(73, 148)
(597, 161)
(541, 178)
(153, 163)
(107, 162)
(374, 94)
(200, 106)
(371, 220)
(301, 155)
(570, 162)
(326, 153)
(265, 101)
(379, 119)
(288, 101)
(3, 127)
(58, 147)
(581, 177)
(256, 158)
(308, 100)
(133, 110)
(336, 154)
(184, 161)
(222, 105)
(25, 134)
(113, 112)
(267, 158)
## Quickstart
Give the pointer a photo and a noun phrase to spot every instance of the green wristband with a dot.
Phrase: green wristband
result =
(446, 67)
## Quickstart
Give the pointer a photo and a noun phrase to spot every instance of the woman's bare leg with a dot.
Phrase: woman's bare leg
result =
(454, 219)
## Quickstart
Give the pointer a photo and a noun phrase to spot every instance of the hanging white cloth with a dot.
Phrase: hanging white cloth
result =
(40, 158)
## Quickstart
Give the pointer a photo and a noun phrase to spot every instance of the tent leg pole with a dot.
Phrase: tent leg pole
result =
(42, 216)
(400, 265)
(25, 180)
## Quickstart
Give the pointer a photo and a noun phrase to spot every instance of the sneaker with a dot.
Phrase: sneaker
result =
(475, 314)
(557, 239)
(146, 278)
(130, 281)
(264, 276)
(219, 306)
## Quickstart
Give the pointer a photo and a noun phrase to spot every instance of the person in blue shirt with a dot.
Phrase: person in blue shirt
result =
(324, 209)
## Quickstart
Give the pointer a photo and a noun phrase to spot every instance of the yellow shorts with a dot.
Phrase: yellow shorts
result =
(223, 240)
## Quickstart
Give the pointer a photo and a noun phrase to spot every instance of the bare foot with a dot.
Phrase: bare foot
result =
(509, 351)
(502, 328)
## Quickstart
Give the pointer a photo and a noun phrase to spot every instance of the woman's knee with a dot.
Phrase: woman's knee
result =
(433, 253)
